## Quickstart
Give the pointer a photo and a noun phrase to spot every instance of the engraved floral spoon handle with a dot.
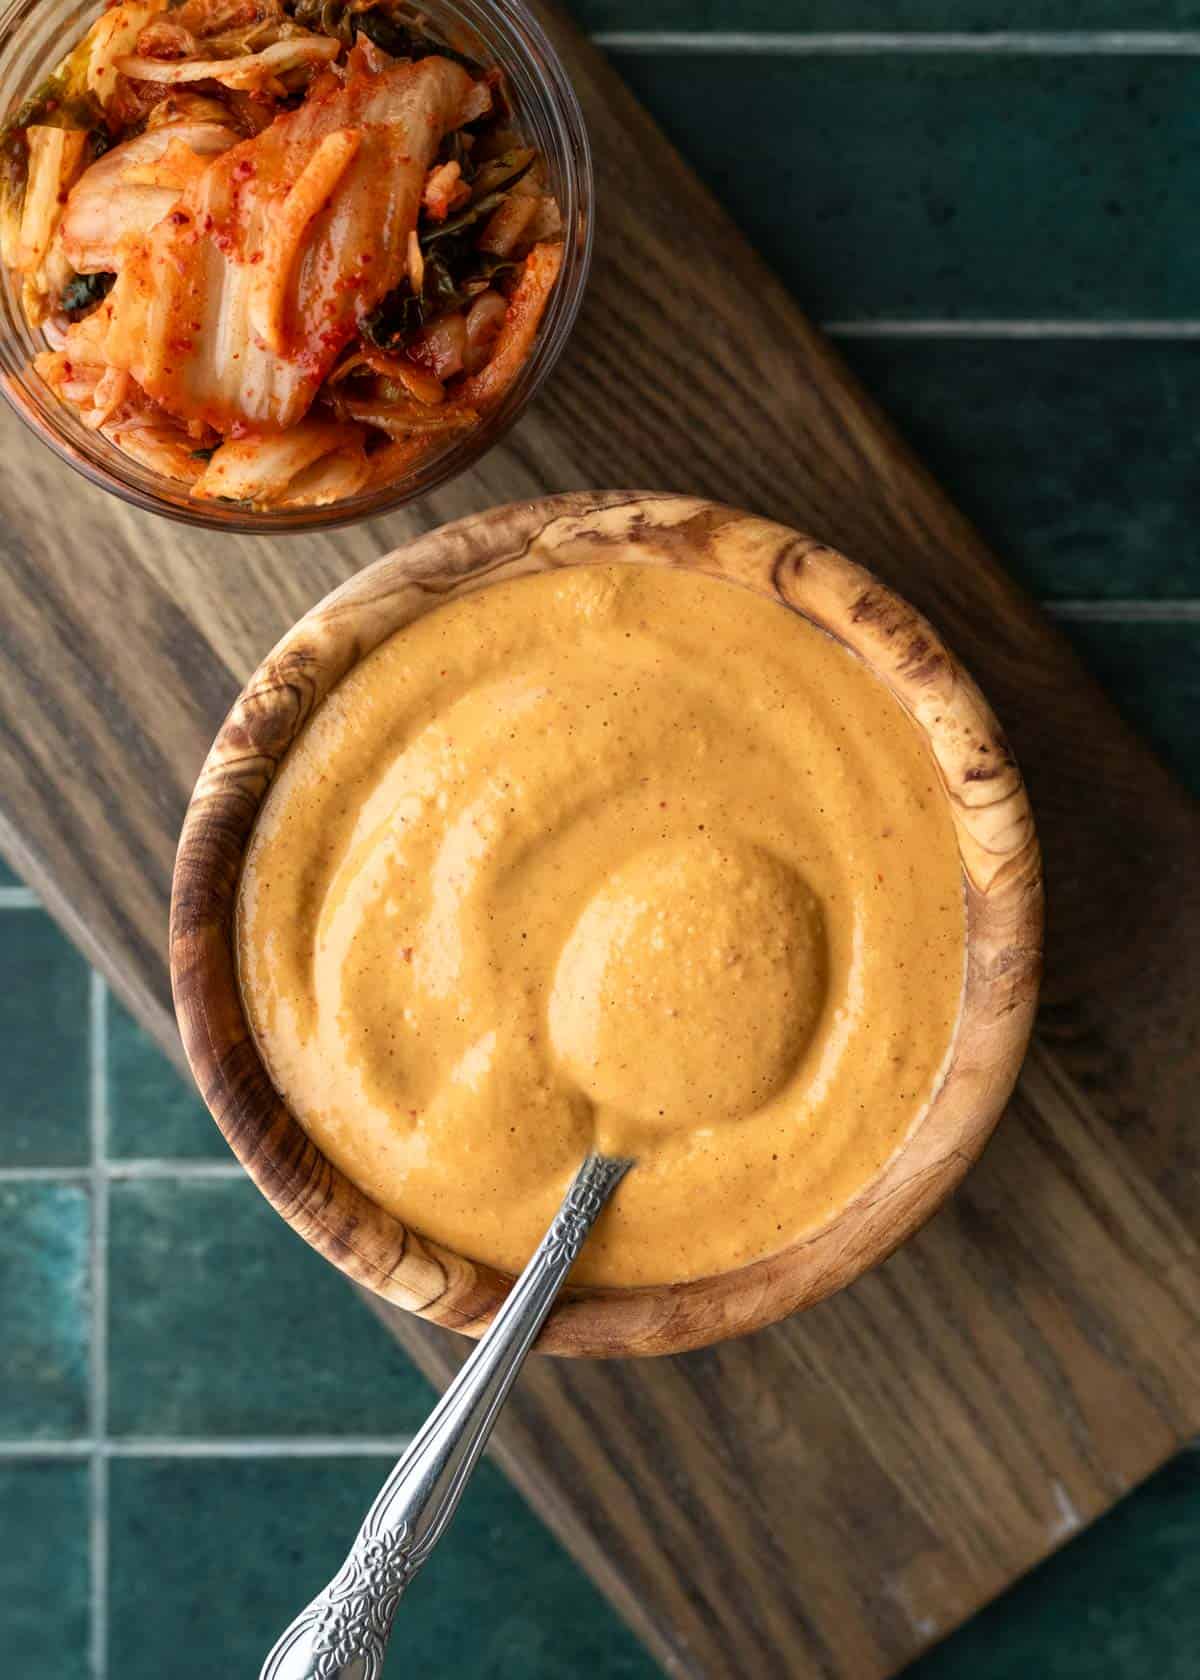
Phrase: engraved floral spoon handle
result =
(343, 1633)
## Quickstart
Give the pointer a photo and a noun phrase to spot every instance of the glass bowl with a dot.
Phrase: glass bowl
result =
(35, 35)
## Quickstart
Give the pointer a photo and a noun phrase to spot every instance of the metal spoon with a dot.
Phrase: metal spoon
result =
(343, 1633)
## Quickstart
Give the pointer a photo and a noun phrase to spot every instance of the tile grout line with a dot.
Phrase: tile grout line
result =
(45, 1175)
(35, 1449)
(135, 1168)
(98, 1105)
(267, 1446)
(18, 898)
(1001, 327)
(283, 1446)
(996, 42)
(1181, 611)
(115, 1171)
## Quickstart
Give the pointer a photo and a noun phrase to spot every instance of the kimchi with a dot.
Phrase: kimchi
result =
(281, 251)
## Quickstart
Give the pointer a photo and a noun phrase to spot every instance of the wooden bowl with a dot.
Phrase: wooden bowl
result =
(1001, 874)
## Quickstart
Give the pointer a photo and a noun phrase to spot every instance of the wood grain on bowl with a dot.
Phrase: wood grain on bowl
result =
(827, 1497)
(1001, 874)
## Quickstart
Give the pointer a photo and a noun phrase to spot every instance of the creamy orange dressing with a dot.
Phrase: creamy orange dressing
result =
(619, 856)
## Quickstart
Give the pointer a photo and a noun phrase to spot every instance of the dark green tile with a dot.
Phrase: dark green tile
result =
(9, 877)
(43, 1044)
(886, 16)
(210, 1560)
(44, 1570)
(153, 1109)
(1075, 458)
(914, 185)
(1152, 672)
(223, 1322)
(44, 1293)
(1121, 1602)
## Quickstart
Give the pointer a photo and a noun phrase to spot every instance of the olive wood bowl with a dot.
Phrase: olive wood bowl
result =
(1001, 879)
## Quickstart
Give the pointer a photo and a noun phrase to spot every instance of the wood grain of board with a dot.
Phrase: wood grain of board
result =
(826, 1497)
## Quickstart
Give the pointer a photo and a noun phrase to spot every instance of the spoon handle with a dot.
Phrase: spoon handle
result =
(343, 1633)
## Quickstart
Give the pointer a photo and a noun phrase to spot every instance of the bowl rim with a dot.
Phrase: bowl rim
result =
(1001, 882)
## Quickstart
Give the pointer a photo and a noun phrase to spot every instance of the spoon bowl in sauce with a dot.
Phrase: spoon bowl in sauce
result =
(614, 822)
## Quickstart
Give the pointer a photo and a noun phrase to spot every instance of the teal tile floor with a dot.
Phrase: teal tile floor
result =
(45, 1286)
(44, 1056)
(178, 1356)
(151, 1111)
(1093, 495)
(45, 1566)
(1038, 185)
(997, 227)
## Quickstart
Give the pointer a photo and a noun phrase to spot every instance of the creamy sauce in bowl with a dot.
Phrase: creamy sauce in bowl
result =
(619, 855)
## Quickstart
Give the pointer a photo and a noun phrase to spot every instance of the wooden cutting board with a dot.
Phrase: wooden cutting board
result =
(829, 1496)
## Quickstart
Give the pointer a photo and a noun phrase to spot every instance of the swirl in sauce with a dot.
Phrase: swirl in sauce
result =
(619, 855)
